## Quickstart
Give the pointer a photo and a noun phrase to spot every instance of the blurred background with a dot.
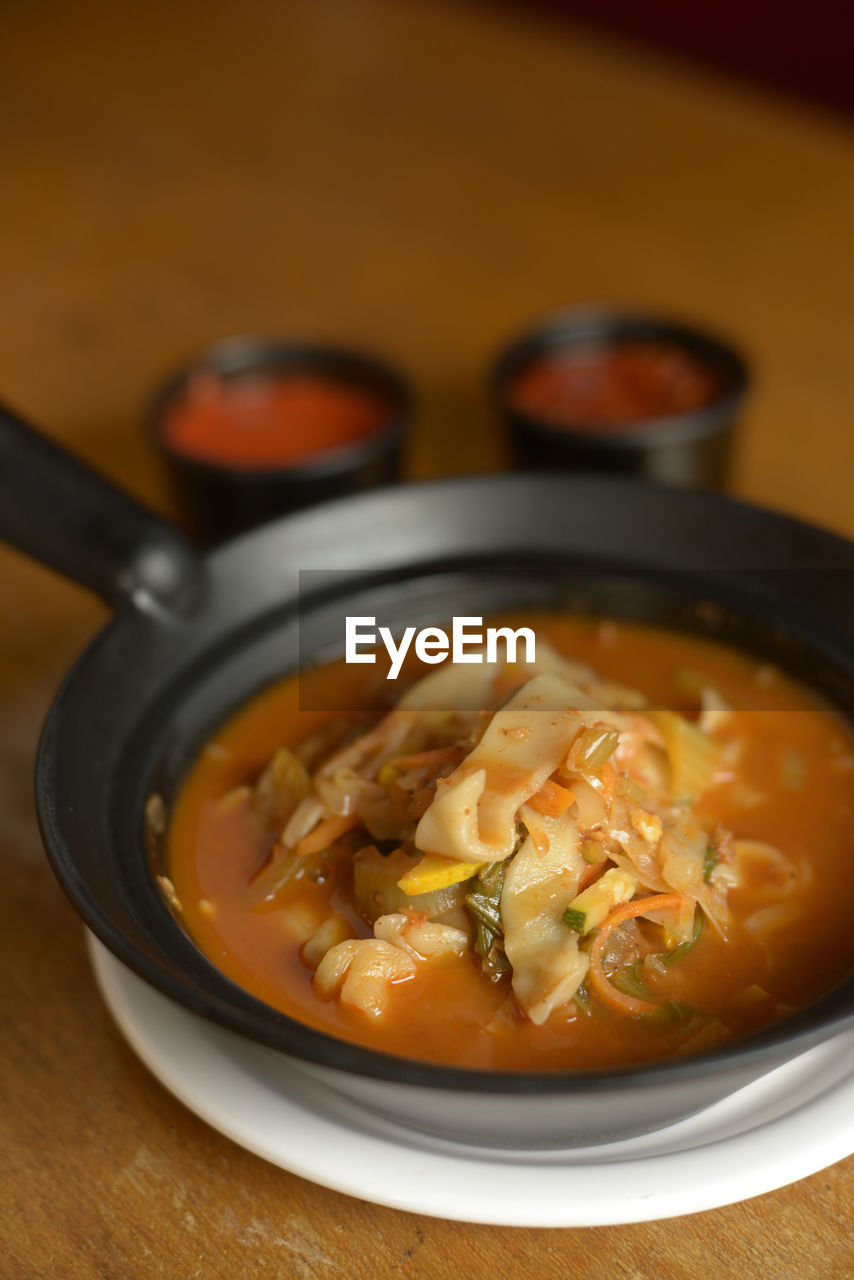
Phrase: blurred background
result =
(420, 179)
(799, 51)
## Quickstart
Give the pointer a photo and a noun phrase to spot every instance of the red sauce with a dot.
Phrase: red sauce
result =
(613, 388)
(270, 421)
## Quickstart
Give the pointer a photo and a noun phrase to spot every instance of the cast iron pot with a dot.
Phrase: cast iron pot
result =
(194, 637)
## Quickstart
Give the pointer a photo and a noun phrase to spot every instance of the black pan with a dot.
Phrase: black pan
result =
(193, 637)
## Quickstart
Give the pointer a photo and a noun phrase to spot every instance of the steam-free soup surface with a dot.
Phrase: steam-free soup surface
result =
(659, 963)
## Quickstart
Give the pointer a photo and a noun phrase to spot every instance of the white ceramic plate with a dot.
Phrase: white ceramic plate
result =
(793, 1122)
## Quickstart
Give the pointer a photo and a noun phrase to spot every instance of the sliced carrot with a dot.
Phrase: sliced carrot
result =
(608, 774)
(325, 833)
(552, 799)
(605, 990)
(592, 873)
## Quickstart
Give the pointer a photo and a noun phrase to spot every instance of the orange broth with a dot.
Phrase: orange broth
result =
(450, 1013)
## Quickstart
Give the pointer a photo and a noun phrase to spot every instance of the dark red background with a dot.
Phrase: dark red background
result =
(805, 48)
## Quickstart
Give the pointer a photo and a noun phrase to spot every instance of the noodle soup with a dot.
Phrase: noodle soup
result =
(636, 847)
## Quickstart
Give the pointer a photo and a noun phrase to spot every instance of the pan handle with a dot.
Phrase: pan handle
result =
(69, 517)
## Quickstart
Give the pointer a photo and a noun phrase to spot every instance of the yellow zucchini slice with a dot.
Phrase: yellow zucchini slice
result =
(590, 908)
(433, 873)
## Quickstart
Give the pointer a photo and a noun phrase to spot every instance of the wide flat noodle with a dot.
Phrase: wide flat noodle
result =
(454, 687)
(473, 815)
(548, 967)
(471, 686)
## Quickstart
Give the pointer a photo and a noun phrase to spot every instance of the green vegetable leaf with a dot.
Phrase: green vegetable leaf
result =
(630, 982)
(575, 920)
(486, 911)
(483, 904)
(670, 957)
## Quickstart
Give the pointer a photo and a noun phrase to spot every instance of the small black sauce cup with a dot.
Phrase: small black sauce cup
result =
(219, 499)
(687, 448)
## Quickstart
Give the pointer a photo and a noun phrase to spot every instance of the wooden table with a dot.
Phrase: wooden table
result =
(422, 179)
